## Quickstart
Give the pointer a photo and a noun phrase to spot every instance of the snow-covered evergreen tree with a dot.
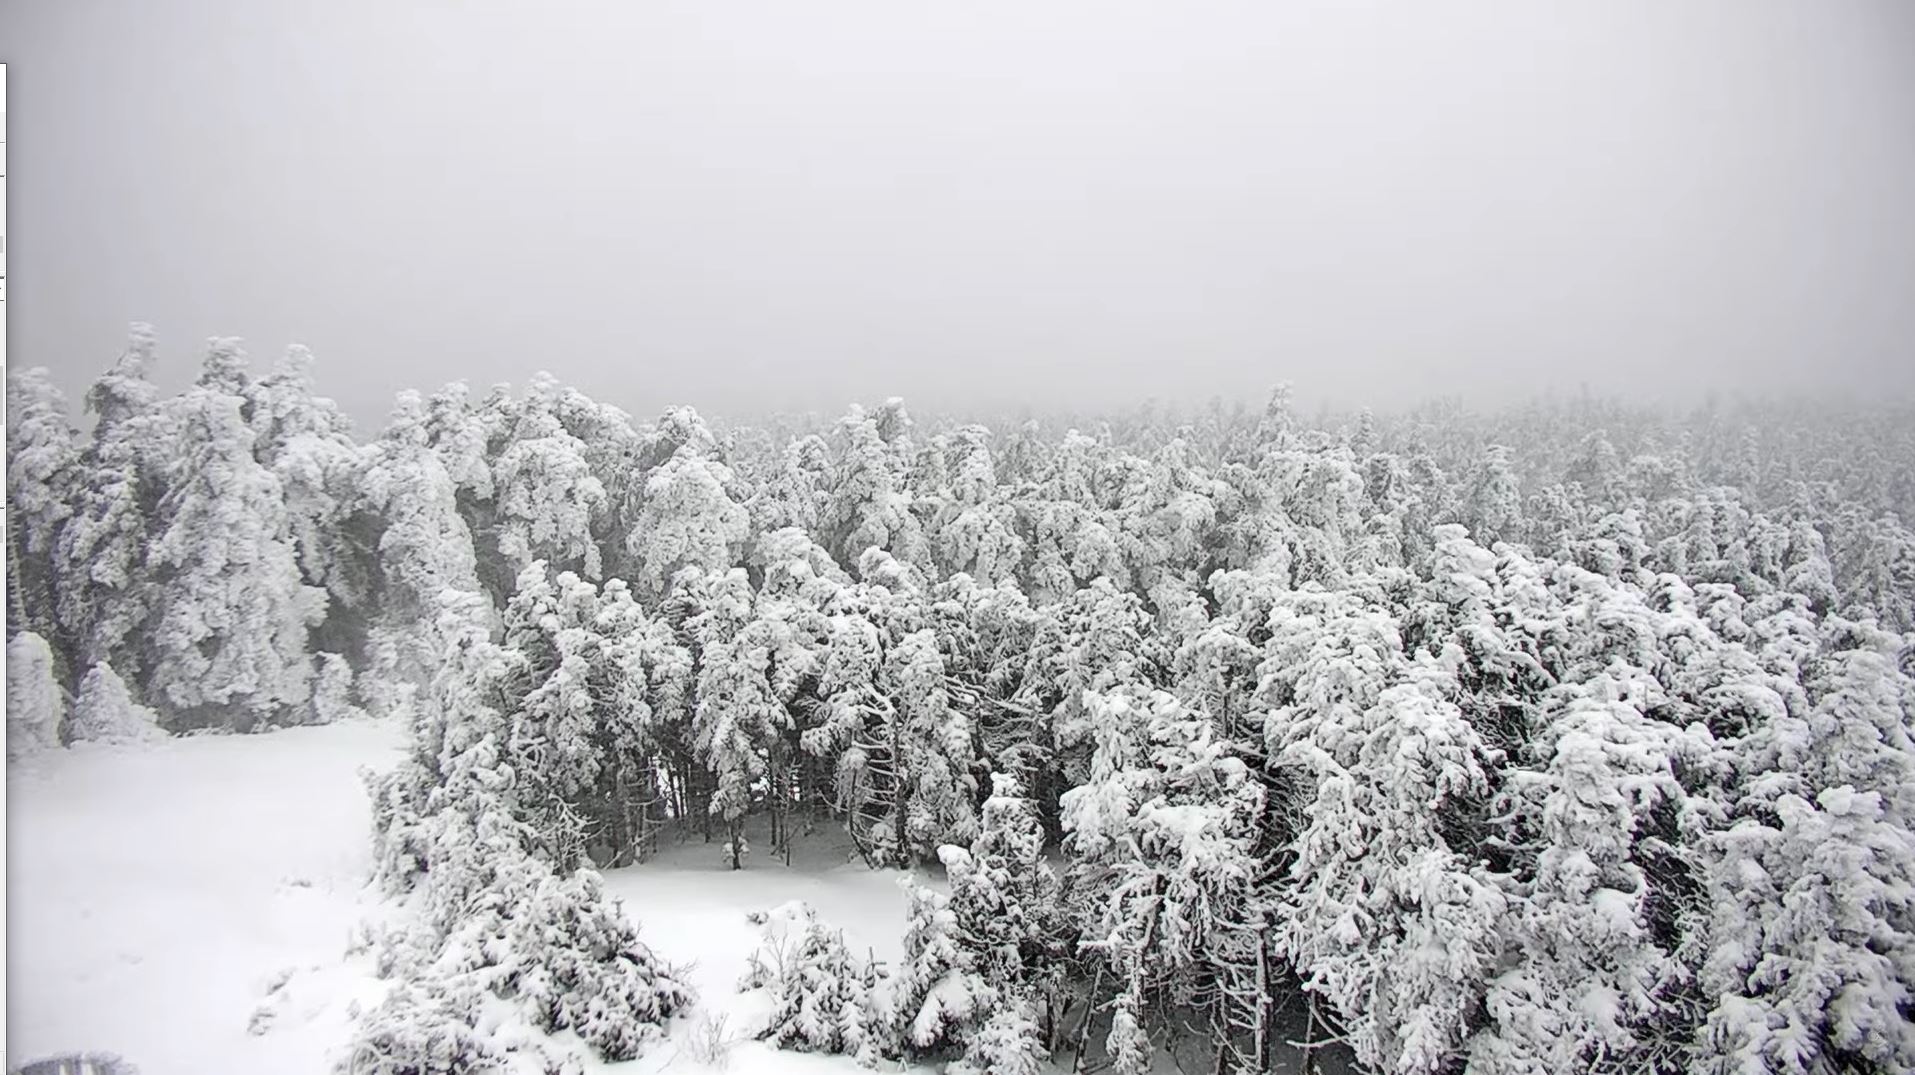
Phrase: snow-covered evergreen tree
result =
(105, 598)
(307, 444)
(798, 493)
(42, 468)
(935, 751)
(546, 497)
(333, 691)
(1813, 962)
(35, 708)
(823, 997)
(872, 503)
(1589, 969)
(1008, 909)
(229, 634)
(105, 711)
(737, 707)
(1494, 508)
(937, 996)
(973, 527)
(496, 919)
(1382, 912)
(1162, 837)
(423, 549)
(689, 517)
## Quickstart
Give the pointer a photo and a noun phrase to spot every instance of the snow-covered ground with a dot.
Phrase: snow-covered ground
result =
(157, 892)
(692, 908)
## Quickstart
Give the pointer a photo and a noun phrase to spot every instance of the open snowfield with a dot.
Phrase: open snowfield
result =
(156, 892)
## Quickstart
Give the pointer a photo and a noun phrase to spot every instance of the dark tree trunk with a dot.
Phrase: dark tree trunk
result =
(898, 793)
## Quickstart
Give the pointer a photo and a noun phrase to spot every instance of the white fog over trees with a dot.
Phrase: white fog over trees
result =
(1561, 737)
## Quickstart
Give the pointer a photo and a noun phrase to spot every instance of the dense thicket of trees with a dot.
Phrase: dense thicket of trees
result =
(1573, 736)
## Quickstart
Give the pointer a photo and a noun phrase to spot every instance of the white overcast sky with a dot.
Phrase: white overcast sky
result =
(750, 206)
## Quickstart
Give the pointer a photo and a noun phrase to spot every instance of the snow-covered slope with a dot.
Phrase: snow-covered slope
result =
(155, 891)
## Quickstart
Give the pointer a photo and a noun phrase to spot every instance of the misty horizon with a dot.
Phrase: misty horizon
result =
(978, 210)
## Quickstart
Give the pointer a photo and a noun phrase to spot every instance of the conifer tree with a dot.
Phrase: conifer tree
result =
(1381, 912)
(35, 708)
(333, 691)
(307, 445)
(423, 549)
(937, 995)
(1008, 911)
(872, 505)
(689, 518)
(1814, 957)
(231, 617)
(1589, 971)
(104, 598)
(546, 498)
(105, 711)
(43, 466)
(1162, 836)
(1494, 509)
(822, 998)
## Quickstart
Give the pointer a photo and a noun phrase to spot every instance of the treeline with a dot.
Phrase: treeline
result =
(1570, 737)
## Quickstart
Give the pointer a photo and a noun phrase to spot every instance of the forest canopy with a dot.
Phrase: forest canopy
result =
(1570, 736)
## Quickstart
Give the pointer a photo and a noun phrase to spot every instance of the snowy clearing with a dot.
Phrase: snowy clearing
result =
(160, 890)
(156, 890)
(692, 909)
